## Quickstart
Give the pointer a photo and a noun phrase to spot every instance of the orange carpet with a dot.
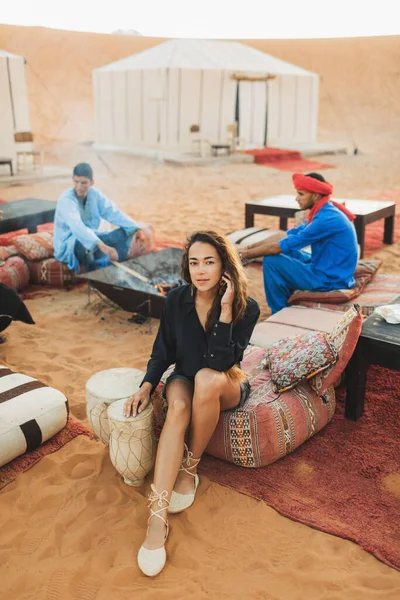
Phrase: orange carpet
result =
(345, 480)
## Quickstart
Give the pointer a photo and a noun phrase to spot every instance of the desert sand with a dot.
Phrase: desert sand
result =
(70, 528)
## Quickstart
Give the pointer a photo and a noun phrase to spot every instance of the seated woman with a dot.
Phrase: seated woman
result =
(205, 328)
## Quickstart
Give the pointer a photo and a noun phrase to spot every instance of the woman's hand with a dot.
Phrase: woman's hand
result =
(229, 294)
(138, 402)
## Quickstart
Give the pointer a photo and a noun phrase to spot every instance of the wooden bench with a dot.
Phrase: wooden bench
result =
(7, 161)
(216, 147)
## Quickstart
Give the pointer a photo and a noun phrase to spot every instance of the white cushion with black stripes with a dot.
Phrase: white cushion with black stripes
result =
(30, 413)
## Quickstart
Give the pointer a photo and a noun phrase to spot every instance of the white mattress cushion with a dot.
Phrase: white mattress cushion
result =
(30, 413)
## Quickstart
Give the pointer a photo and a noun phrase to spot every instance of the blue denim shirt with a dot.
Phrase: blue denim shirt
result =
(69, 226)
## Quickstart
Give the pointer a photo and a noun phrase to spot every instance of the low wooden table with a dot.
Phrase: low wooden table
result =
(7, 161)
(378, 344)
(216, 147)
(27, 213)
(285, 207)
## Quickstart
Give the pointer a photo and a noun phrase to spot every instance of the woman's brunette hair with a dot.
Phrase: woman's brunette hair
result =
(232, 265)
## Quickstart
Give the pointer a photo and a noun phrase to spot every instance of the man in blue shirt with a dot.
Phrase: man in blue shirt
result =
(77, 240)
(330, 233)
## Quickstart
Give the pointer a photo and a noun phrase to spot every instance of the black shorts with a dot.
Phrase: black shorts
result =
(245, 388)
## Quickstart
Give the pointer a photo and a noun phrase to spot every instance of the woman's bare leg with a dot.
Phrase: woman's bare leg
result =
(213, 393)
(170, 452)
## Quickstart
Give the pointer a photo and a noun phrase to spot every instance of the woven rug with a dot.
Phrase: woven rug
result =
(374, 231)
(345, 480)
(72, 429)
(301, 165)
(285, 160)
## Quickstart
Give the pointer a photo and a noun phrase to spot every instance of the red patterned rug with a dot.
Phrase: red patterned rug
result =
(374, 231)
(345, 480)
(21, 464)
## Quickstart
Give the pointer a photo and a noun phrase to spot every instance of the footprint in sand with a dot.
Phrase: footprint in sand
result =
(32, 540)
(58, 583)
(108, 495)
(78, 467)
(87, 589)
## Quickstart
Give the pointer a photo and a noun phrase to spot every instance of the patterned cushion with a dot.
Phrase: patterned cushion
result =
(51, 272)
(267, 427)
(344, 337)
(7, 239)
(30, 413)
(365, 271)
(150, 244)
(294, 359)
(35, 246)
(14, 273)
(7, 251)
(383, 289)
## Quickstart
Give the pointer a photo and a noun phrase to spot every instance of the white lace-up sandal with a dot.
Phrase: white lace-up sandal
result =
(180, 502)
(152, 562)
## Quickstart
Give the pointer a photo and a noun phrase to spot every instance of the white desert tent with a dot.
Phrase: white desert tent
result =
(14, 109)
(154, 97)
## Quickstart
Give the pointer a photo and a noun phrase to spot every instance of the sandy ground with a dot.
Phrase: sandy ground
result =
(70, 527)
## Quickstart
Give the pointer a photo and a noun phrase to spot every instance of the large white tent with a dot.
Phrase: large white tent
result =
(154, 97)
(14, 109)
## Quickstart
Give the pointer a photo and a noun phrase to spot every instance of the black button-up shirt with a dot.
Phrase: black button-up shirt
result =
(182, 340)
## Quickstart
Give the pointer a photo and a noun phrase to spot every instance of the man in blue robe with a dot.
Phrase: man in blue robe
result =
(330, 233)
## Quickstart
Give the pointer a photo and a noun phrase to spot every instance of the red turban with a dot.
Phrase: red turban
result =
(314, 186)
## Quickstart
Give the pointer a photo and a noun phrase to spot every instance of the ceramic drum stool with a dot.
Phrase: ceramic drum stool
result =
(104, 388)
(132, 443)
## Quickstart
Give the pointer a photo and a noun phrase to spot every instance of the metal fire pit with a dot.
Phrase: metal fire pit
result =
(132, 294)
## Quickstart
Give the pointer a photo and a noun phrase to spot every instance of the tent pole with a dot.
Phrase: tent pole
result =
(266, 115)
(11, 92)
(237, 108)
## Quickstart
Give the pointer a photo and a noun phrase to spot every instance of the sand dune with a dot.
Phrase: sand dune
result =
(70, 527)
(360, 80)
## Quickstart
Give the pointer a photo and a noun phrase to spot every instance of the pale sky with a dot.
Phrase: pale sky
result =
(212, 18)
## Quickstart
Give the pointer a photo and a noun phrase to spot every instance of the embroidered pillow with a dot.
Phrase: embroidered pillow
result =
(295, 359)
(14, 273)
(365, 271)
(149, 245)
(344, 336)
(7, 251)
(35, 246)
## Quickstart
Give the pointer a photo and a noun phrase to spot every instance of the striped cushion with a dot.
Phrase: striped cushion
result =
(30, 413)
(255, 235)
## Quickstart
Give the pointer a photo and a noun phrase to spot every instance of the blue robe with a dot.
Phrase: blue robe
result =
(331, 265)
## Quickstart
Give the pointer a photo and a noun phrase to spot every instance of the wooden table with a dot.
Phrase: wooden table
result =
(378, 344)
(215, 147)
(7, 161)
(285, 207)
(27, 213)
